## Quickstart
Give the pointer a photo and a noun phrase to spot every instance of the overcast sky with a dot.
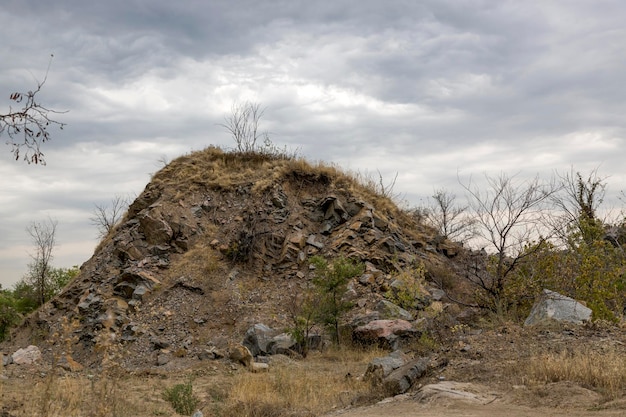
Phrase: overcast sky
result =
(424, 89)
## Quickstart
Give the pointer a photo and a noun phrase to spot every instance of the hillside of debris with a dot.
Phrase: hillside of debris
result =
(220, 241)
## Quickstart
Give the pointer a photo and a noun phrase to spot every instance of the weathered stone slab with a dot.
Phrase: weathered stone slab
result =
(403, 378)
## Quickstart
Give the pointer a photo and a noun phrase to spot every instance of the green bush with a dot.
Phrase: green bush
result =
(181, 397)
(9, 315)
(589, 269)
(330, 284)
(408, 287)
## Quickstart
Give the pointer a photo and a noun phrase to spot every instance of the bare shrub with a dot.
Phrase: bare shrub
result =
(106, 217)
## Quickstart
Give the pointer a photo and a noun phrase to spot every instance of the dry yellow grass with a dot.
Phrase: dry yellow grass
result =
(320, 383)
(603, 371)
(215, 168)
(323, 382)
(80, 395)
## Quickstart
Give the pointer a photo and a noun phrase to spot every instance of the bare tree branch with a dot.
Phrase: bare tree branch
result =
(578, 202)
(508, 215)
(106, 217)
(27, 128)
(450, 220)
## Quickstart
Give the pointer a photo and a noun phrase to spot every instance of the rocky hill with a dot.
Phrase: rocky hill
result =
(217, 242)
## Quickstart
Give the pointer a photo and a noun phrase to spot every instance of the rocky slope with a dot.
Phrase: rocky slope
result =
(220, 241)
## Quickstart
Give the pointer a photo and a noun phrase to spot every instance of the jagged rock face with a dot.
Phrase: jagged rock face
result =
(192, 266)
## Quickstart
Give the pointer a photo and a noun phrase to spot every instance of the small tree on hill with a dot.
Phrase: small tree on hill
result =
(301, 310)
(9, 315)
(106, 217)
(579, 203)
(243, 125)
(43, 238)
(330, 283)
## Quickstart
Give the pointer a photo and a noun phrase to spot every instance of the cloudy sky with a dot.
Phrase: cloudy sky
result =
(424, 88)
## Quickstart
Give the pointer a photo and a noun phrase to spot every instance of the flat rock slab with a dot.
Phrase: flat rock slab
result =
(457, 391)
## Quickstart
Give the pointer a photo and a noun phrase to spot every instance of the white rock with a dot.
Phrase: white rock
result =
(27, 356)
(552, 305)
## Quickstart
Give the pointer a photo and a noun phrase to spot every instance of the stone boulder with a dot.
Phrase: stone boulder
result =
(262, 340)
(26, 356)
(282, 344)
(258, 338)
(403, 378)
(156, 230)
(379, 368)
(455, 391)
(6, 359)
(240, 354)
(385, 333)
(554, 306)
(389, 310)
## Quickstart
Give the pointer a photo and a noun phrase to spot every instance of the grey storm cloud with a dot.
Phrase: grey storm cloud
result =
(426, 89)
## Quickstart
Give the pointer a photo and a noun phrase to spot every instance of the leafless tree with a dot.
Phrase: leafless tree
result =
(28, 127)
(243, 125)
(106, 217)
(448, 218)
(508, 214)
(43, 238)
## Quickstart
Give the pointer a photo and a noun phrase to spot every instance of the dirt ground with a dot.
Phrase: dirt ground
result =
(472, 400)
(492, 362)
(485, 374)
(409, 408)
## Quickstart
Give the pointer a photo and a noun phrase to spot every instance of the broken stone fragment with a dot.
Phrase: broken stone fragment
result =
(311, 240)
(26, 356)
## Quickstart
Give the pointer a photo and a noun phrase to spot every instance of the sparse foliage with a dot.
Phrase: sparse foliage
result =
(378, 185)
(26, 294)
(28, 127)
(9, 315)
(106, 217)
(44, 240)
(301, 311)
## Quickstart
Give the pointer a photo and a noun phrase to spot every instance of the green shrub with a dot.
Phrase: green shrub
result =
(9, 315)
(181, 397)
(408, 287)
(330, 284)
